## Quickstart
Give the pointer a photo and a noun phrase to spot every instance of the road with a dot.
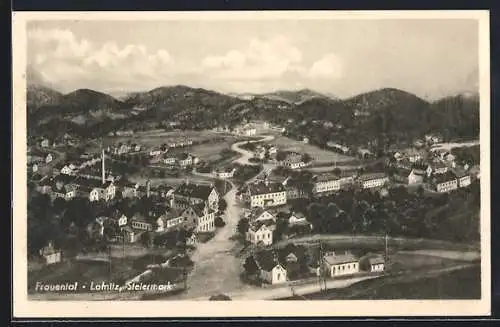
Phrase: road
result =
(450, 145)
(216, 269)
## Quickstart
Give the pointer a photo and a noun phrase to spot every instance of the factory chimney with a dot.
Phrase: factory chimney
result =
(103, 168)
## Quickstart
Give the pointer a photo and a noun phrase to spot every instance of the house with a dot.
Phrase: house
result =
(266, 194)
(436, 168)
(66, 170)
(330, 182)
(139, 222)
(414, 155)
(296, 218)
(197, 193)
(51, 254)
(340, 264)
(185, 159)
(270, 270)
(48, 158)
(96, 190)
(416, 176)
(372, 263)
(128, 189)
(45, 143)
(136, 147)
(445, 182)
(260, 214)
(169, 160)
(201, 216)
(225, 173)
(294, 161)
(34, 168)
(170, 219)
(464, 180)
(155, 152)
(261, 232)
(305, 140)
(119, 219)
(249, 131)
(338, 147)
(373, 180)
(131, 235)
(272, 150)
(295, 189)
(364, 153)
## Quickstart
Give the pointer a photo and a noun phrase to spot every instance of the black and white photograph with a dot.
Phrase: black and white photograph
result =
(290, 158)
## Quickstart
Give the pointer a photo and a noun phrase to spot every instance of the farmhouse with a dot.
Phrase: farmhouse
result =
(340, 264)
(413, 155)
(338, 147)
(261, 232)
(266, 194)
(271, 271)
(445, 182)
(155, 152)
(128, 189)
(201, 216)
(373, 180)
(464, 180)
(194, 194)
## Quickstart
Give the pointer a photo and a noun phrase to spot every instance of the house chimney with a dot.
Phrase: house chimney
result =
(148, 188)
(103, 168)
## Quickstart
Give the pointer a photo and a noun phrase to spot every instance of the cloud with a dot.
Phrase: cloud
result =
(260, 59)
(329, 67)
(262, 64)
(61, 57)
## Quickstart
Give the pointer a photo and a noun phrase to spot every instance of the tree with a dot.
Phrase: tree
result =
(250, 266)
(281, 228)
(219, 222)
(243, 225)
(306, 157)
(337, 171)
(222, 205)
(280, 155)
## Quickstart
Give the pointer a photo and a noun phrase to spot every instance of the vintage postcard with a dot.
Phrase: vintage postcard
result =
(197, 164)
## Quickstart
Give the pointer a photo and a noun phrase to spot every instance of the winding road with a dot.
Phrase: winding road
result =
(217, 269)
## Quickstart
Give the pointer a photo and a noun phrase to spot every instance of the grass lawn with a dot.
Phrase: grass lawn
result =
(320, 156)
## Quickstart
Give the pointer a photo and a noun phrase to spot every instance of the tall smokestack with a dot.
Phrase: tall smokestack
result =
(103, 168)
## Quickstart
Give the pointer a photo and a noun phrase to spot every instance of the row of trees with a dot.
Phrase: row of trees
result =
(453, 216)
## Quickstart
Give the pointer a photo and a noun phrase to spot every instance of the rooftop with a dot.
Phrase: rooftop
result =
(372, 176)
(337, 259)
(262, 188)
(446, 177)
(198, 191)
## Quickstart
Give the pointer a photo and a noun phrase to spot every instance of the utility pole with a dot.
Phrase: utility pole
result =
(386, 247)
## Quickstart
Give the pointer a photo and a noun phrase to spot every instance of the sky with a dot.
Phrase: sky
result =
(430, 58)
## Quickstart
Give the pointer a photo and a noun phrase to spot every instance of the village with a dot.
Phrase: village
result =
(184, 200)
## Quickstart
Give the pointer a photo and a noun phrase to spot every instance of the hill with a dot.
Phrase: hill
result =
(295, 97)
(39, 95)
(79, 106)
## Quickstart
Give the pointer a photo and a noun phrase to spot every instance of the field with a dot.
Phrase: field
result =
(125, 264)
(320, 156)
(458, 284)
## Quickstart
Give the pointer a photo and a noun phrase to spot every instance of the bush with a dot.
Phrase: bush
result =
(219, 222)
